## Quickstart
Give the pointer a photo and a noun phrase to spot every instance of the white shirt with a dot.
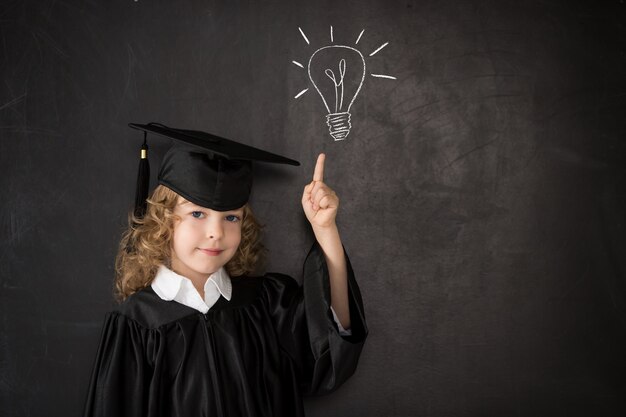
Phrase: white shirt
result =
(170, 286)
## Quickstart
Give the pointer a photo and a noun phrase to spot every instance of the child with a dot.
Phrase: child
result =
(196, 335)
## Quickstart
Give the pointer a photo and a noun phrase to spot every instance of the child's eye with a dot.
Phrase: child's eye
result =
(197, 214)
(232, 218)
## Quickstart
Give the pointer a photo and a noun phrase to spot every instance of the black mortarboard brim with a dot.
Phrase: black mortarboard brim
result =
(207, 170)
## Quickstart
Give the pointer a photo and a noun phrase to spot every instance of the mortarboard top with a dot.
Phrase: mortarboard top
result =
(208, 170)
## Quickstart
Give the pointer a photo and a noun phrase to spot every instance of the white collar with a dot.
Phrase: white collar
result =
(169, 285)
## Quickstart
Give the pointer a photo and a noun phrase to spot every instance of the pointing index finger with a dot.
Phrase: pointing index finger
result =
(318, 175)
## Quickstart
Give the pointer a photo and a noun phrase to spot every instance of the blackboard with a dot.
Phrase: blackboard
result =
(482, 190)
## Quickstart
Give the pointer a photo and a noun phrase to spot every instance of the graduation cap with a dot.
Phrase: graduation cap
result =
(208, 170)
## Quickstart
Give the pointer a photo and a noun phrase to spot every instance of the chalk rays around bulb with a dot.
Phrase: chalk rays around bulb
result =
(337, 72)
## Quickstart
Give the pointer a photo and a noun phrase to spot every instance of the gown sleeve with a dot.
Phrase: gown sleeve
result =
(122, 378)
(324, 359)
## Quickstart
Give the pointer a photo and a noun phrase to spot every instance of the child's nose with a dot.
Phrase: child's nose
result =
(215, 230)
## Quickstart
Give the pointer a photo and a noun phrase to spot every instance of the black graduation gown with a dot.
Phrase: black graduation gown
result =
(255, 355)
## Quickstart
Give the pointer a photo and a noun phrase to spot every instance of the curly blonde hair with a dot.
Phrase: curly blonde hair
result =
(146, 244)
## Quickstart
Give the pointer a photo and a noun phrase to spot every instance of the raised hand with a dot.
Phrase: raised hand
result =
(320, 204)
(319, 201)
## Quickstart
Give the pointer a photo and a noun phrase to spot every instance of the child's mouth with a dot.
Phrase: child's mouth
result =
(211, 252)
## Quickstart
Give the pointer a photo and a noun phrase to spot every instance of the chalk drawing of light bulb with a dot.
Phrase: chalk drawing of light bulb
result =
(339, 98)
(337, 73)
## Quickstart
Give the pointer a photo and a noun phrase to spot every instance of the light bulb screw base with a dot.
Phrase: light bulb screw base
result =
(338, 125)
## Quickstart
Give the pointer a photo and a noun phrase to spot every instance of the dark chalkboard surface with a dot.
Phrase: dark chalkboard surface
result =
(482, 190)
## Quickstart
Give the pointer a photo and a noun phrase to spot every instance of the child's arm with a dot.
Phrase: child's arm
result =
(320, 204)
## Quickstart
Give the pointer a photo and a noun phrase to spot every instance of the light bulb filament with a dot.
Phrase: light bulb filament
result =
(338, 83)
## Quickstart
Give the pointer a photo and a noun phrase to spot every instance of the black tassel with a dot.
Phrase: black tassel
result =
(143, 181)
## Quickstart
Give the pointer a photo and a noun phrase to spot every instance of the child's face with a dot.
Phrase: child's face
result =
(204, 240)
